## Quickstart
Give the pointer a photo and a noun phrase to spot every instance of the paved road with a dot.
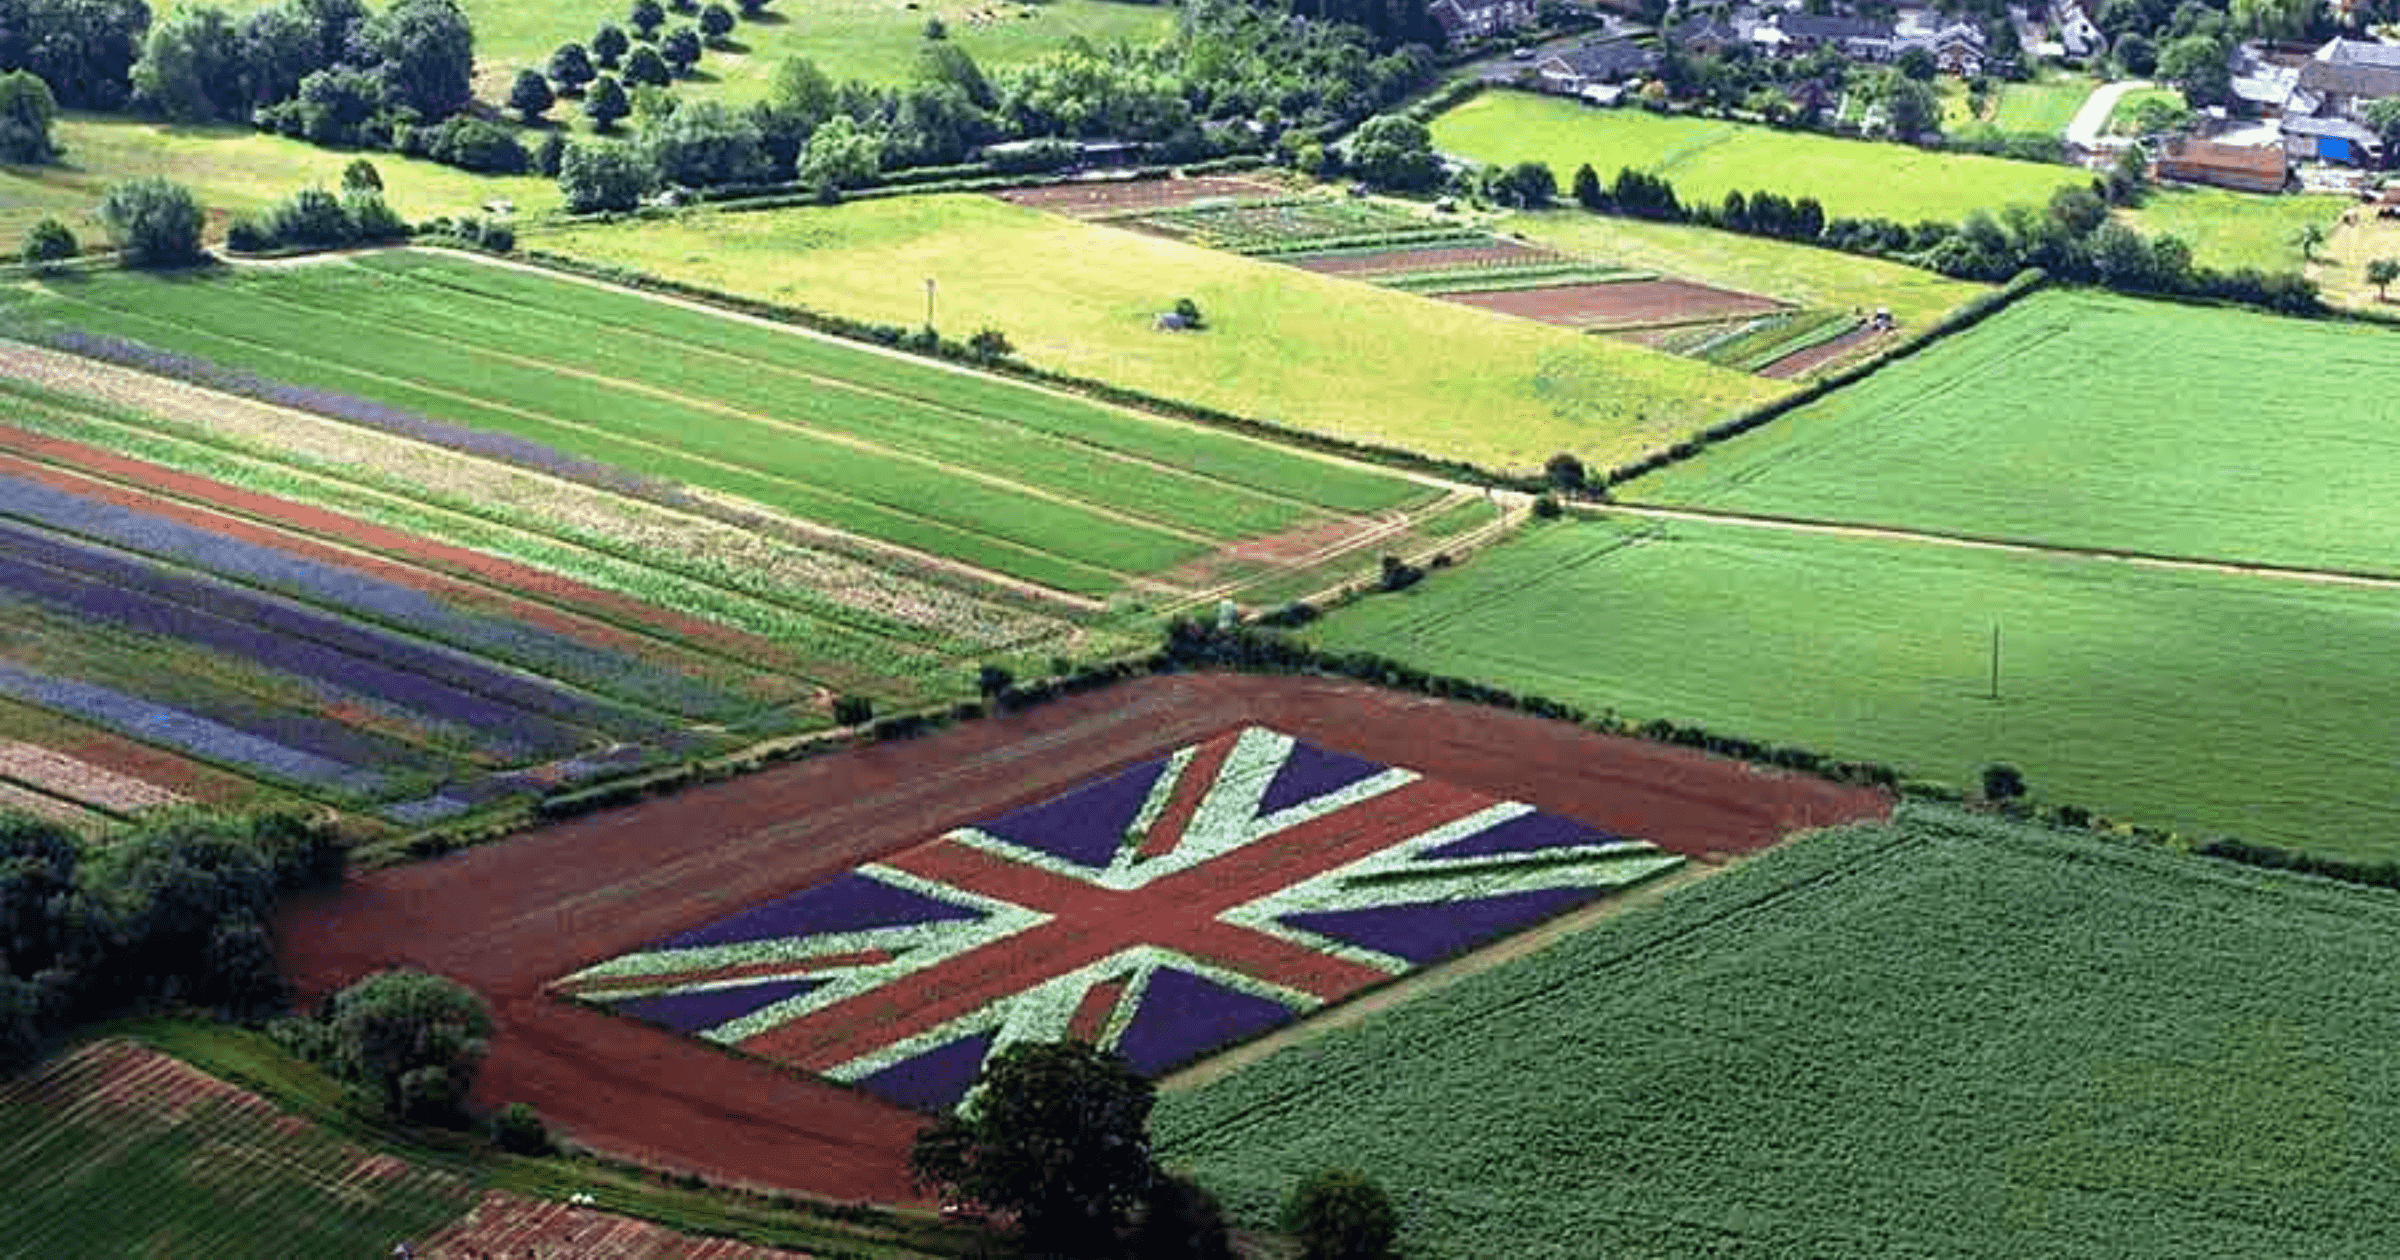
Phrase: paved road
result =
(2084, 132)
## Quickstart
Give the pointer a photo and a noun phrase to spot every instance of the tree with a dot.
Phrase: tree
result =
(20, 1025)
(571, 68)
(716, 22)
(1588, 192)
(751, 9)
(702, 144)
(951, 64)
(1911, 108)
(2381, 273)
(2384, 117)
(530, 96)
(990, 345)
(361, 176)
(2003, 782)
(1918, 63)
(605, 103)
(279, 47)
(1393, 151)
(681, 49)
(190, 69)
(645, 68)
(609, 45)
(935, 31)
(518, 1129)
(1188, 311)
(2198, 65)
(2308, 238)
(1341, 1216)
(49, 241)
(1181, 1220)
(27, 110)
(805, 91)
(155, 222)
(646, 17)
(2135, 54)
(991, 680)
(597, 177)
(412, 1038)
(1565, 472)
(84, 49)
(840, 155)
(1057, 1134)
(425, 52)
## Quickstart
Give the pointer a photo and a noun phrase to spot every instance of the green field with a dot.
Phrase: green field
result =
(1944, 1038)
(1036, 486)
(1312, 352)
(233, 170)
(1707, 159)
(2122, 120)
(1799, 274)
(2091, 420)
(2201, 701)
(2230, 229)
(2043, 108)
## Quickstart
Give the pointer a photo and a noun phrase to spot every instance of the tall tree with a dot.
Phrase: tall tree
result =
(84, 49)
(191, 69)
(154, 221)
(605, 176)
(605, 104)
(279, 47)
(571, 68)
(609, 45)
(412, 1038)
(531, 96)
(27, 111)
(425, 50)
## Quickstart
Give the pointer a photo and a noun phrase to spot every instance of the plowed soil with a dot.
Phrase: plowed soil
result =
(1624, 304)
(1792, 366)
(1436, 258)
(1100, 198)
(509, 918)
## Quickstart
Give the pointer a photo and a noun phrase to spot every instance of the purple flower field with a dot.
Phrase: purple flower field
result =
(184, 732)
(1184, 1016)
(1087, 825)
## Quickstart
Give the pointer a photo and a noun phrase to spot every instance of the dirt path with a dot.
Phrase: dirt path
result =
(2084, 131)
(1798, 525)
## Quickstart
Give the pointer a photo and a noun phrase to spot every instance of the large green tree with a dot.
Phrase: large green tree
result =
(425, 50)
(1391, 151)
(2198, 64)
(603, 176)
(1056, 1133)
(27, 111)
(155, 222)
(411, 1038)
(191, 69)
(84, 49)
(1341, 1216)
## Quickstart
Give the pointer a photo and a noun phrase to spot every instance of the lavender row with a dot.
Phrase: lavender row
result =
(386, 600)
(184, 732)
(113, 591)
(1184, 1016)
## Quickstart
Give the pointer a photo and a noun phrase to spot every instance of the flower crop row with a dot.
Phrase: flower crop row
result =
(186, 732)
(61, 775)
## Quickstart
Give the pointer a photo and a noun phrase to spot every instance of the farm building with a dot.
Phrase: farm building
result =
(2332, 140)
(2248, 169)
(1593, 65)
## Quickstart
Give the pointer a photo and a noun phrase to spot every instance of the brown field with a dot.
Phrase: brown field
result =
(1624, 304)
(502, 1226)
(1498, 253)
(1102, 198)
(509, 918)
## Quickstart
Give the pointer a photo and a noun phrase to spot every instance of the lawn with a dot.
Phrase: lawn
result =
(2087, 419)
(1798, 274)
(1046, 489)
(2043, 108)
(232, 170)
(1282, 345)
(2201, 701)
(1939, 1038)
(2122, 119)
(2231, 229)
(1707, 159)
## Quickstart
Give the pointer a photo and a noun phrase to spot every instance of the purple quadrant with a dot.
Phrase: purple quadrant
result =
(848, 903)
(1087, 825)
(1526, 833)
(707, 1008)
(936, 1080)
(1429, 931)
(1311, 772)
(1184, 1016)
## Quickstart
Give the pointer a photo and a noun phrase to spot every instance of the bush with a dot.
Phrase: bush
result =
(1399, 575)
(412, 1039)
(155, 222)
(2003, 782)
(1181, 1220)
(853, 710)
(373, 219)
(309, 217)
(49, 241)
(361, 176)
(1341, 1216)
(1545, 507)
(518, 1129)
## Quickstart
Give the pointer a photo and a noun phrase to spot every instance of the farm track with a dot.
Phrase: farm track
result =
(511, 918)
(2185, 564)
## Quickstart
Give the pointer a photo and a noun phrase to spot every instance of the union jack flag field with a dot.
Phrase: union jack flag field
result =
(1166, 911)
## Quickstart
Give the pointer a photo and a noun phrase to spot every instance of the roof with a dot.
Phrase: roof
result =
(2342, 127)
(1612, 59)
(1828, 27)
(2257, 162)
(1705, 28)
(2350, 79)
(2360, 52)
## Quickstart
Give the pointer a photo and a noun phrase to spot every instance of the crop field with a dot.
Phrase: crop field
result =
(1109, 198)
(1280, 344)
(1290, 225)
(1761, 344)
(794, 876)
(1029, 485)
(1707, 159)
(2207, 433)
(1945, 1037)
(1192, 900)
(1617, 304)
(119, 1150)
(232, 170)
(2208, 702)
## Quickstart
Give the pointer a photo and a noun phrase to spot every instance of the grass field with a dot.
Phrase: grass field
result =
(2053, 422)
(1778, 269)
(2230, 229)
(2201, 701)
(1302, 350)
(2043, 108)
(2123, 118)
(1942, 1038)
(2341, 267)
(1706, 159)
(232, 170)
(1042, 488)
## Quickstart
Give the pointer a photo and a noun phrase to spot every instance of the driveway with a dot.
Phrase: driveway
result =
(2085, 131)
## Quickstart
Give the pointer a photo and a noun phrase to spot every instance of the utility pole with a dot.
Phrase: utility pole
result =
(1995, 660)
(929, 302)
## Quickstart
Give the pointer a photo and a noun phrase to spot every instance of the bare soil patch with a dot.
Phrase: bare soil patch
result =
(1432, 258)
(507, 1225)
(1623, 304)
(1802, 362)
(1100, 198)
(510, 918)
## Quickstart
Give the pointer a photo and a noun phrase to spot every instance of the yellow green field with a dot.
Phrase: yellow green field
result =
(1313, 352)
(2230, 229)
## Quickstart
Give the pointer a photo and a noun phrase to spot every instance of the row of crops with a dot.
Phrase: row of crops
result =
(1287, 225)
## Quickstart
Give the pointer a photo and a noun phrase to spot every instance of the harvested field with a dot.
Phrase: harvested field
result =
(510, 918)
(1102, 199)
(1498, 253)
(1621, 305)
(503, 1224)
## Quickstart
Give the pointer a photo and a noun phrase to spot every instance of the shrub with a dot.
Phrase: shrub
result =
(1545, 507)
(518, 1129)
(49, 241)
(155, 222)
(853, 710)
(2003, 782)
(361, 176)
(1341, 1216)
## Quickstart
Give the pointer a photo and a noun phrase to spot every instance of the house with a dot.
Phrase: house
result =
(1593, 65)
(1474, 19)
(1957, 48)
(2248, 168)
(2332, 140)
(1707, 34)
(2078, 35)
(2321, 114)
(1861, 38)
